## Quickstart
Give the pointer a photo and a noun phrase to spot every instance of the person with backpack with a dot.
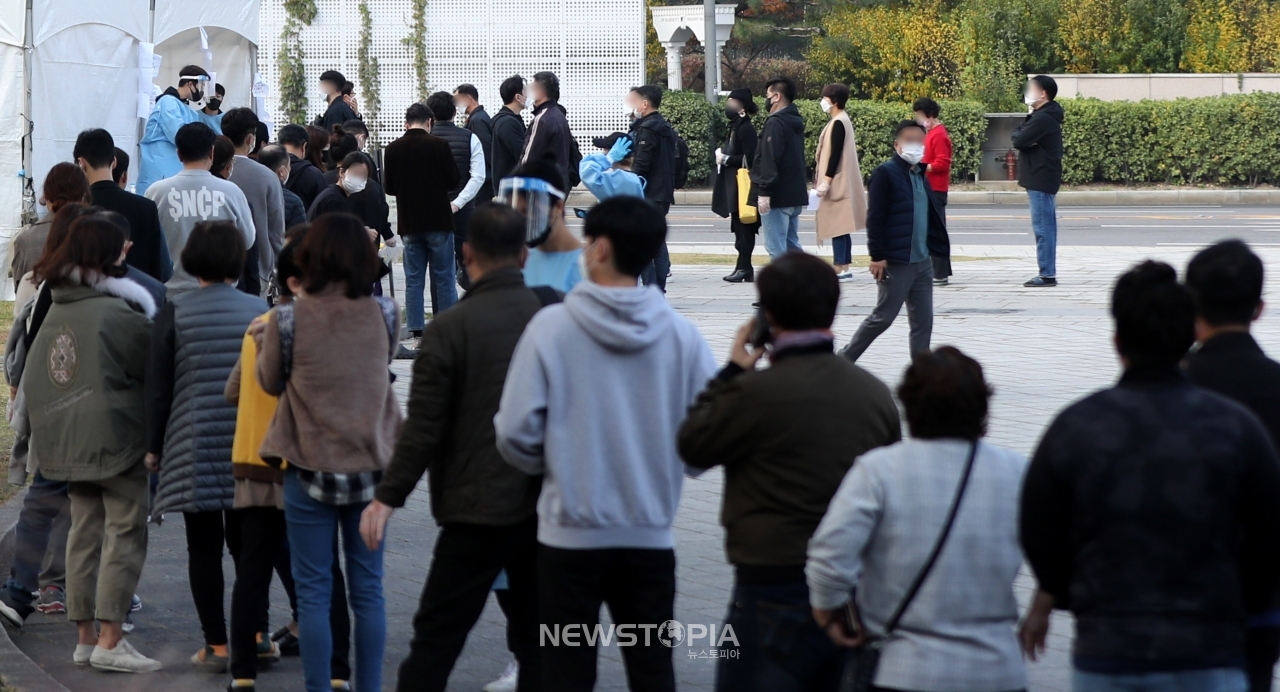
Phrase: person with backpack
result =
(653, 158)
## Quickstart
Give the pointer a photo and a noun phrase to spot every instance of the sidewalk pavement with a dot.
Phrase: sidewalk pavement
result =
(1067, 198)
(1041, 348)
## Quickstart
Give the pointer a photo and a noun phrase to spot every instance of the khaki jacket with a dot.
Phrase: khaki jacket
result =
(844, 208)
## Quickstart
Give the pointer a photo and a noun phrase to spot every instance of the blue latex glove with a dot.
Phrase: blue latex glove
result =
(621, 150)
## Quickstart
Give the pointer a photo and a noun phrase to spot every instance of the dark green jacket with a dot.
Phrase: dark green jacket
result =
(457, 384)
(786, 436)
(83, 381)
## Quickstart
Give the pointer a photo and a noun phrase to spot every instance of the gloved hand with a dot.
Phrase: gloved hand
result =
(621, 150)
(762, 205)
(823, 187)
(721, 158)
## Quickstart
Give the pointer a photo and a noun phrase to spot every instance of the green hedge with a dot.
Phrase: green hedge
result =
(704, 127)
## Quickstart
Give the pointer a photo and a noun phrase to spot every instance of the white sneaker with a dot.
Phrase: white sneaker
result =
(507, 681)
(82, 654)
(122, 659)
(846, 275)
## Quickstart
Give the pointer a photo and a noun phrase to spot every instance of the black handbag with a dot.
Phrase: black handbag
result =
(860, 671)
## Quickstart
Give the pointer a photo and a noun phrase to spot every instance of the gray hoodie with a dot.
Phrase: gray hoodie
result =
(595, 394)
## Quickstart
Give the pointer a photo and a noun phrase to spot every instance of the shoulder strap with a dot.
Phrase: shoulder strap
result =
(548, 295)
(892, 623)
(389, 311)
(284, 323)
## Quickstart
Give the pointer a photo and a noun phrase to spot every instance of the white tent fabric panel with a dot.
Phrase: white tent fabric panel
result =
(12, 128)
(13, 16)
(78, 78)
(232, 61)
(133, 17)
(174, 16)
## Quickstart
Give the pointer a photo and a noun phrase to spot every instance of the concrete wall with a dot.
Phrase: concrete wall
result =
(1135, 87)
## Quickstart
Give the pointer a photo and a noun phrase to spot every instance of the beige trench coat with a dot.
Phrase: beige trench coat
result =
(844, 208)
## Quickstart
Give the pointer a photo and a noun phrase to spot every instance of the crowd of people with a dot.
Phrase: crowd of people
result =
(219, 346)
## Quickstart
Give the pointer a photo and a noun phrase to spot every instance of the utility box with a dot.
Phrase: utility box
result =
(996, 145)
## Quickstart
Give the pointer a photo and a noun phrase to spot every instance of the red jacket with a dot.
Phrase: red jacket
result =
(937, 153)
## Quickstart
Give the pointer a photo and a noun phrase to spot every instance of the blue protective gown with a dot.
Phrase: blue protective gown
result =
(604, 181)
(159, 158)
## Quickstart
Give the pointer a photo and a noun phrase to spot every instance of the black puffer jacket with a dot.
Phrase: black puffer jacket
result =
(891, 215)
(457, 384)
(1152, 511)
(778, 171)
(1039, 143)
(654, 157)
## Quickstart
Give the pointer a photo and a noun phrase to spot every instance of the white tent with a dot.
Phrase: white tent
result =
(13, 14)
(230, 38)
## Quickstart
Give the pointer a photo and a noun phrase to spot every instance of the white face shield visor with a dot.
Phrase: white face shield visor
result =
(534, 198)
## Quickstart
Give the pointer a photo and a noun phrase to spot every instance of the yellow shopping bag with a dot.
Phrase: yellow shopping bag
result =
(746, 212)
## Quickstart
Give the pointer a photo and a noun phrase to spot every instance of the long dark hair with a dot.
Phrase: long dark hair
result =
(317, 140)
(58, 229)
(92, 248)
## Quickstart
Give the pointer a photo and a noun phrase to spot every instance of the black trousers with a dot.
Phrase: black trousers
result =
(261, 530)
(207, 532)
(460, 222)
(339, 613)
(744, 240)
(467, 560)
(1262, 650)
(941, 265)
(639, 586)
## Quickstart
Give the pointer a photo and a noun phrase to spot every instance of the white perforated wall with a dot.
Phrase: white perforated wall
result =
(595, 46)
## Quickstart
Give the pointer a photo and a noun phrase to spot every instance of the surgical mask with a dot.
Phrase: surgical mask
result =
(352, 184)
(912, 153)
(460, 106)
(825, 105)
(214, 104)
(1030, 98)
(535, 198)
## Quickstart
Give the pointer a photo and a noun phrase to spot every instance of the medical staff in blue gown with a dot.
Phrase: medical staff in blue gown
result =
(173, 110)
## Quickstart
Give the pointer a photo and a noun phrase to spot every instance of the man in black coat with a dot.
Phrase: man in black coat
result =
(905, 227)
(305, 180)
(1039, 143)
(549, 134)
(778, 173)
(486, 508)
(332, 85)
(508, 131)
(467, 99)
(1226, 282)
(95, 153)
(653, 158)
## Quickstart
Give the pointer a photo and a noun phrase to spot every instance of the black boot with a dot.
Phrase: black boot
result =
(741, 276)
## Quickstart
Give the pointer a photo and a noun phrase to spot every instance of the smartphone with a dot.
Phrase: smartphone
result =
(580, 213)
(761, 334)
(851, 620)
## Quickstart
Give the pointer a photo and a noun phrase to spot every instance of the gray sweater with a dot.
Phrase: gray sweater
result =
(188, 198)
(262, 190)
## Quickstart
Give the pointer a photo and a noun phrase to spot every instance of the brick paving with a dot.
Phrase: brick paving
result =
(1042, 349)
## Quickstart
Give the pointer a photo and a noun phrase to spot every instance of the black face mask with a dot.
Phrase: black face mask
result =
(731, 113)
(214, 104)
(196, 95)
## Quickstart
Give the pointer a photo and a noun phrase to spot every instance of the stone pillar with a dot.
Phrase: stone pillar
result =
(675, 67)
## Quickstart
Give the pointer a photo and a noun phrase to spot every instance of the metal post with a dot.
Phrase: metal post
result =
(711, 52)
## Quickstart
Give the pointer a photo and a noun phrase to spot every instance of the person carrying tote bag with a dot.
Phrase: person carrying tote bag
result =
(729, 198)
(842, 199)
(926, 531)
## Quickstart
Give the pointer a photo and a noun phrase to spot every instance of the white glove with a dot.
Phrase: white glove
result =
(823, 188)
(762, 205)
(721, 158)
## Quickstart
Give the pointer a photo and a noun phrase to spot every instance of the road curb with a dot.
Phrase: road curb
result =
(1066, 198)
(16, 670)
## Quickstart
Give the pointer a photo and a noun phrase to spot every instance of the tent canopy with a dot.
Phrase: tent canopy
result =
(174, 16)
(49, 17)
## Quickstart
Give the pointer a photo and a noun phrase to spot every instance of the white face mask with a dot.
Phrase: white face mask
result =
(1030, 99)
(352, 184)
(825, 104)
(912, 153)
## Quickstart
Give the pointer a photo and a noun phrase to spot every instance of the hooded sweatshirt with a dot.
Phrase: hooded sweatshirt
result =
(594, 397)
(778, 171)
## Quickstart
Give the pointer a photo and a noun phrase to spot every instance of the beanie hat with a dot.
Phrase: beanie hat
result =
(743, 96)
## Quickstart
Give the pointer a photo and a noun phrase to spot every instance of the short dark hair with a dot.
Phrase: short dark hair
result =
(635, 228)
(906, 124)
(333, 76)
(838, 93)
(784, 86)
(468, 90)
(96, 147)
(543, 169)
(118, 219)
(945, 394)
(93, 244)
(496, 232)
(356, 126)
(441, 105)
(353, 158)
(64, 183)
(418, 114)
(511, 87)
(214, 252)
(1154, 314)
(650, 93)
(195, 142)
(1048, 84)
(238, 124)
(926, 105)
(799, 291)
(122, 166)
(295, 135)
(190, 71)
(336, 249)
(1226, 282)
(287, 261)
(262, 136)
(223, 152)
(273, 156)
(550, 84)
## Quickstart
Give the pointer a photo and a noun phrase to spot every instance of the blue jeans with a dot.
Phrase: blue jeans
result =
(44, 501)
(311, 525)
(781, 231)
(421, 250)
(842, 250)
(780, 648)
(1209, 680)
(1044, 224)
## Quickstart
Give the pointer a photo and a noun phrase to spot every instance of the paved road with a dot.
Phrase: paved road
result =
(1008, 225)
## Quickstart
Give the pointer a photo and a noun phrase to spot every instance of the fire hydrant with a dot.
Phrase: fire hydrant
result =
(1011, 165)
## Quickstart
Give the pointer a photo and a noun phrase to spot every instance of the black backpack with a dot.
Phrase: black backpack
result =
(575, 158)
(682, 161)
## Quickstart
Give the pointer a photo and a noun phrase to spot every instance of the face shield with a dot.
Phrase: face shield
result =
(534, 198)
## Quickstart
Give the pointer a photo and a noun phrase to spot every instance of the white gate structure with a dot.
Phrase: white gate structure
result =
(595, 47)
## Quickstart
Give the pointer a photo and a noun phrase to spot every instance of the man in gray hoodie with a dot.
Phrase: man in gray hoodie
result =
(595, 394)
